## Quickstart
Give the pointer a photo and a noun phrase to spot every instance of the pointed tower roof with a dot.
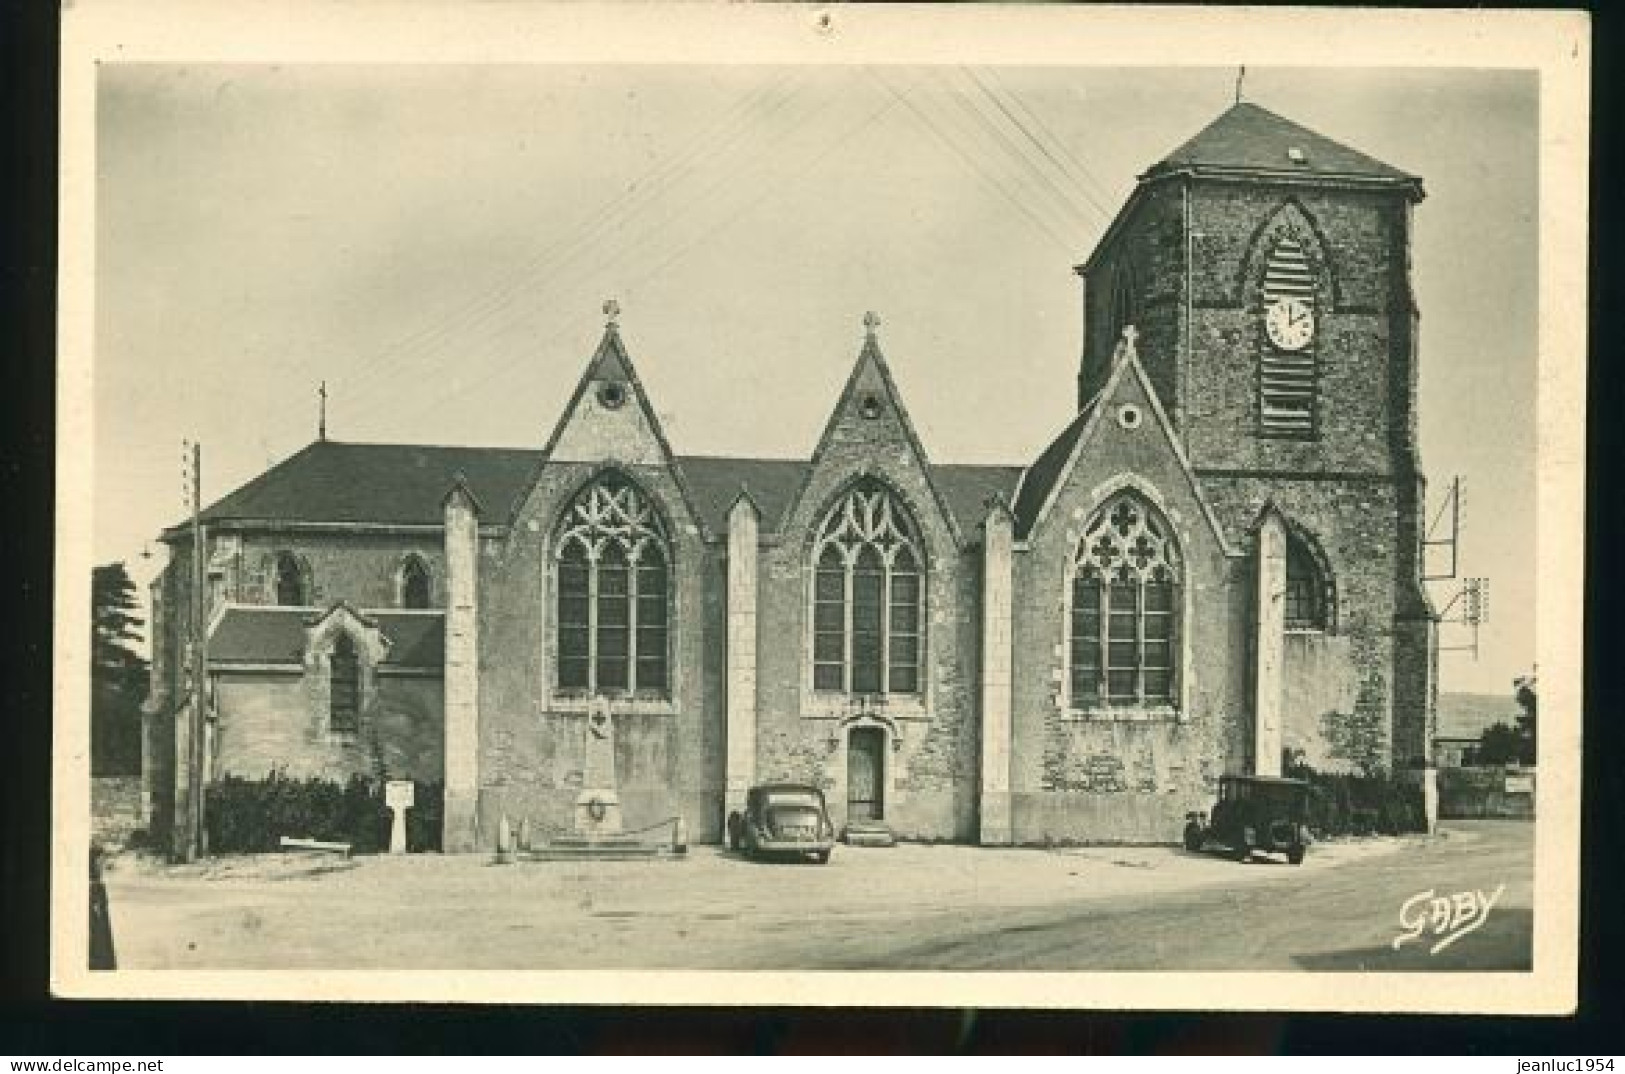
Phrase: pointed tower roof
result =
(1253, 141)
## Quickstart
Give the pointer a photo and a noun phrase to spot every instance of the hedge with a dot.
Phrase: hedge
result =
(250, 816)
(1361, 804)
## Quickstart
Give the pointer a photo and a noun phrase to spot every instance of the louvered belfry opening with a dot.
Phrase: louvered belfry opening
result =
(1287, 379)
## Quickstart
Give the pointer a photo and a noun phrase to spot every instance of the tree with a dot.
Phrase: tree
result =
(118, 674)
(1524, 689)
(1512, 743)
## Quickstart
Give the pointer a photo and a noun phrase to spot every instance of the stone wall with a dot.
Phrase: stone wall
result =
(1148, 257)
(1125, 775)
(931, 754)
(670, 752)
(1362, 694)
(360, 568)
(266, 720)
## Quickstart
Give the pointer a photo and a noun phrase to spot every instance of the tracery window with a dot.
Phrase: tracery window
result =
(868, 596)
(290, 581)
(613, 593)
(1125, 608)
(414, 582)
(1308, 600)
(344, 686)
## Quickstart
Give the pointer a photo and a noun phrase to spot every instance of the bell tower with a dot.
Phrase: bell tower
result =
(1267, 269)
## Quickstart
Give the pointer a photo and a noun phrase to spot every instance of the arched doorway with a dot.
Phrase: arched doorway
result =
(866, 774)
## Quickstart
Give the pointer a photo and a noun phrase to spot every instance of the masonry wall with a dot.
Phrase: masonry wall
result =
(1149, 250)
(930, 760)
(269, 720)
(1364, 693)
(669, 753)
(1116, 775)
(360, 568)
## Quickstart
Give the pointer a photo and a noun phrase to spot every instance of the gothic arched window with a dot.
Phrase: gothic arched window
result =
(1308, 594)
(1287, 372)
(614, 582)
(868, 596)
(1125, 608)
(414, 582)
(290, 581)
(344, 686)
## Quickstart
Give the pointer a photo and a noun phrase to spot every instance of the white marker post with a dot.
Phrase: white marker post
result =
(398, 796)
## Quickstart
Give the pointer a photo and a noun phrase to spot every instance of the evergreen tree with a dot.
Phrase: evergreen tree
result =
(118, 674)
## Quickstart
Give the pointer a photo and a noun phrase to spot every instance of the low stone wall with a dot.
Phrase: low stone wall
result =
(1481, 792)
(115, 808)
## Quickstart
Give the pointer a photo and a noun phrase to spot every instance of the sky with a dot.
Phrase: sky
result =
(436, 243)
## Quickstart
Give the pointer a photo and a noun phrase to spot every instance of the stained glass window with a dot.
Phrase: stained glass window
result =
(613, 587)
(1125, 609)
(868, 596)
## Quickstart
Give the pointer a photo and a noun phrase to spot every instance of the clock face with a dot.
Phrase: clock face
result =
(1290, 323)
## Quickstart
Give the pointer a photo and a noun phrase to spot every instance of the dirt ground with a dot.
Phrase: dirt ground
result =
(909, 906)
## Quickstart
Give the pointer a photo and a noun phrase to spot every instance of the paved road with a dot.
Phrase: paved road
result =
(910, 907)
(1341, 919)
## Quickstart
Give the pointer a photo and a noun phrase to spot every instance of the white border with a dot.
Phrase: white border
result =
(1555, 43)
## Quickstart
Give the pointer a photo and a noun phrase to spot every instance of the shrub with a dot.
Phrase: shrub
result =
(1347, 803)
(250, 816)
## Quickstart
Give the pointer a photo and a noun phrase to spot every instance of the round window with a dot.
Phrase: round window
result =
(870, 406)
(612, 396)
(1129, 416)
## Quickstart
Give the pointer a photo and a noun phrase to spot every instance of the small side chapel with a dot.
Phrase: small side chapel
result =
(1214, 567)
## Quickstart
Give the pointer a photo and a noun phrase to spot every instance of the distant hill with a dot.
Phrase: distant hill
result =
(1466, 715)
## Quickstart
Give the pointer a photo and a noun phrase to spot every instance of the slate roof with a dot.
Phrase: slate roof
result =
(329, 481)
(266, 635)
(1046, 471)
(1247, 139)
(405, 484)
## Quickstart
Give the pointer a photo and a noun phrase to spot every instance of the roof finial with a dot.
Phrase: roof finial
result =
(1241, 74)
(321, 418)
(1125, 346)
(612, 312)
(871, 321)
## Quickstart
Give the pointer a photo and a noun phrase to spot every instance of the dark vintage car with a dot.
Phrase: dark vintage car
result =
(1267, 814)
(783, 820)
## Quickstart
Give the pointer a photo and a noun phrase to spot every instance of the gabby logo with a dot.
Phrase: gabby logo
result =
(1448, 917)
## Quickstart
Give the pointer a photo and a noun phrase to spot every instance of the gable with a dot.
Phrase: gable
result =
(869, 434)
(609, 418)
(1123, 439)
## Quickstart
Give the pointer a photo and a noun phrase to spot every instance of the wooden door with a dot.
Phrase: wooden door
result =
(865, 774)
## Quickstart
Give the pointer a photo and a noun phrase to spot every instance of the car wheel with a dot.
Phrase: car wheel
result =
(1243, 851)
(1193, 837)
(821, 857)
(1295, 854)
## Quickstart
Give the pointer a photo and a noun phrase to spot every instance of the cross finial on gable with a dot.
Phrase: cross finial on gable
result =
(1125, 346)
(871, 321)
(612, 311)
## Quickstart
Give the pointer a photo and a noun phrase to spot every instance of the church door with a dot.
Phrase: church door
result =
(865, 774)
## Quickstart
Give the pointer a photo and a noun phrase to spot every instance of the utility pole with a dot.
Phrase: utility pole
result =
(197, 717)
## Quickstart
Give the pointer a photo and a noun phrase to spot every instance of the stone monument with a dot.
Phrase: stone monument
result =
(598, 806)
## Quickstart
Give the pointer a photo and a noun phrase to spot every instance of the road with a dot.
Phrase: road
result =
(903, 908)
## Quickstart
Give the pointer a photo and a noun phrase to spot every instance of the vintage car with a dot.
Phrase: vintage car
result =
(1266, 814)
(783, 820)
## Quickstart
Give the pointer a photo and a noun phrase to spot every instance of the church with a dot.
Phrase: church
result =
(1214, 568)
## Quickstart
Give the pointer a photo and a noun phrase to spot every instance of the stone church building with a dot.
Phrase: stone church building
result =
(1215, 564)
